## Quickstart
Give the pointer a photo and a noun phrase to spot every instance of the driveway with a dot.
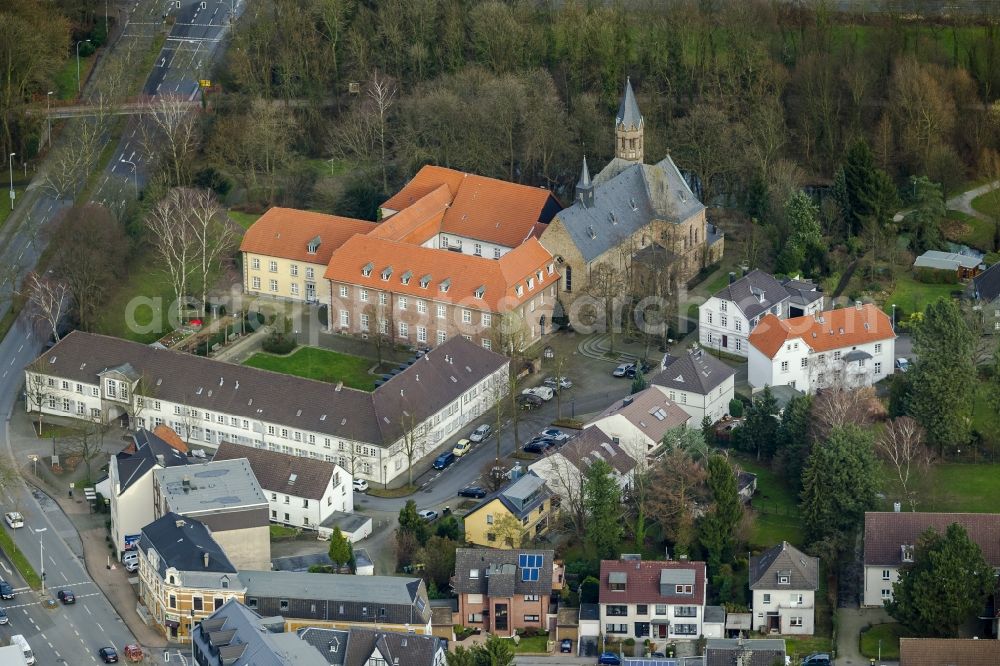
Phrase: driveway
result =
(963, 202)
(850, 623)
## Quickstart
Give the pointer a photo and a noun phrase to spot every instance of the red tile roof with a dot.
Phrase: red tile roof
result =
(286, 233)
(419, 222)
(466, 273)
(642, 585)
(428, 179)
(887, 531)
(832, 329)
(170, 436)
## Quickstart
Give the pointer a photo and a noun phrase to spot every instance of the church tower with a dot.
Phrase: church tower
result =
(585, 187)
(628, 127)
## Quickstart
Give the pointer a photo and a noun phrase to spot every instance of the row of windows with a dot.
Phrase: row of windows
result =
(293, 269)
(794, 599)
(477, 248)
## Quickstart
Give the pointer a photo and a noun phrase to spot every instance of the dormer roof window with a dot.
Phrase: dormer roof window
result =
(367, 269)
(617, 581)
(313, 245)
(906, 552)
(783, 578)
(405, 277)
(480, 290)
(519, 290)
(425, 281)
(445, 285)
(386, 273)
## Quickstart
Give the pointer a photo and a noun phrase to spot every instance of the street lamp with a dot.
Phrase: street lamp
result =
(48, 114)
(894, 317)
(135, 176)
(191, 629)
(10, 163)
(79, 85)
(41, 553)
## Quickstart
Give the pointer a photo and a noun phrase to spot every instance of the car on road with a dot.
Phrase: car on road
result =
(543, 392)
(817, 659)
(566, 645)
(609, 659)
(14, 519)
(66, 596)
(558, 383)
(540, 445)
(481, 433)
(108, 655)
(360, 486)
(902, 365)
(3, 617)
(472, 491)
(461, 447)
(430, 515)
(529, 401)
(6, 590)
(622, 369)
(554, 433)
(444, 460)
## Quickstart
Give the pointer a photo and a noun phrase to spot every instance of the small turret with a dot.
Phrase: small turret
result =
(585, 187)
(628, 127)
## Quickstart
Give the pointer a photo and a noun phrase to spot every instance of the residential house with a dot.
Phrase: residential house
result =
(850, 347)
(100, 378)
(744, 651)
(652, 599)
(339, 601)
(563, 469)
(501, 591)
(890, 539)
(184, 574)
(372, 647)
(962, 266)
(130, 483)
(638, 422)
(784, 581)
(301, 492)
(512, 516)
(948, 652)
(985, 291)
(226, 498)
(727, 317)
(236, 636)
(698, 383)
(804, 297)
(626, 208)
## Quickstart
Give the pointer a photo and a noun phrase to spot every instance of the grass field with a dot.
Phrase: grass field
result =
(321, 364)
(776, 506)
(147, 282)
(962, 487)
(245, 220)
(532, 644)
(889, 635)
(912, 296)
(282, 531)
(5, 210)
(958, 227)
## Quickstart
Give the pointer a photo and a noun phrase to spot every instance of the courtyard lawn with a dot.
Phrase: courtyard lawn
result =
(245, 220)
(912, 296)
(888, 636)
(775, 505)
(321, 364)
(532, 644)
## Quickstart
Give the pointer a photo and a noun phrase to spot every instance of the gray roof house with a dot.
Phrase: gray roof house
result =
(754, 294)
(804, 297)
(783, 583)
(947, 261)
(696, 371)
(359, 646)
(331, 643)
(786, 567)
(986, 285)
(150, 452)
(186, 546)
(236, 636)
(481, 571)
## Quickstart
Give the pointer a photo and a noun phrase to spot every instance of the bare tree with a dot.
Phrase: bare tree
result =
(49, 300)
(509, 532)
(413, 442)
(837, 407)
(172, 133)
(677, 484)
(212, 233)
(381, 327)
(75, 157)
(605, 284)
(143, 393)
(901, 444)
(87, 445)
(566, 481)
(37, 388)
(382, 91)
(174, 239)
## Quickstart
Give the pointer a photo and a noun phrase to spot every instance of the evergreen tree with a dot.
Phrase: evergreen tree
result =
(341, 552)
(760, 429)
(687, 440)
(639, 383)
(412, 523)
(794, 441)
(944, 375)
(602, 501)
(924, 221)
(803, 249)
(838, 485)
(707, 431)
(717, 529)
(869, 191)
(944, 587)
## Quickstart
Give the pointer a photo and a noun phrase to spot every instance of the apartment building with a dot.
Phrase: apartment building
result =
(236, 636)
(512, 516)
(100, 378)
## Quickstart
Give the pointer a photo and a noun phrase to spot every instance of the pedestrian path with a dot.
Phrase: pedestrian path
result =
(963, 202)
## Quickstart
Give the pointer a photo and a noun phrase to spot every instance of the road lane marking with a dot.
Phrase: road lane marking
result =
(64, 576)
(99, 626)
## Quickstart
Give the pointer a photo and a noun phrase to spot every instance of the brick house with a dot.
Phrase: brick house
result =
(505, 590)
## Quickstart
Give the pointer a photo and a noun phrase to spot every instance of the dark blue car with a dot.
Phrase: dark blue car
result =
(609, 658)
(444, 460)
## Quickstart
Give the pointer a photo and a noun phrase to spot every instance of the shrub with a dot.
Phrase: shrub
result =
(736, 408)
(277, 342)
(935, 276)
(210, 179)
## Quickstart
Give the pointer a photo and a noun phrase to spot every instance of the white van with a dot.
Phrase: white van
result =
(18, 640)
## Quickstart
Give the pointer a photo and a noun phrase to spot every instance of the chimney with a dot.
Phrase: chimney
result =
(732, 277)
(186, 483)
(627, 401)
(205, 557)
(160, 460)
(857, 305)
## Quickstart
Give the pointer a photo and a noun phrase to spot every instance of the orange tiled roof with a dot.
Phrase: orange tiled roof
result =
(465, 273)
(428, 179)
(419, 222)
(170, 436)
(833, 329)
(286, 232)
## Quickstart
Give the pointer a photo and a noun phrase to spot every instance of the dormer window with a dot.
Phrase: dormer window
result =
(907, 552)
(313, 245)
(424, 281)
(519, 290)
(480, 291)
(591, 233)
(632, 204)
(617, 581)
(782, 579)
(540, 275)
(445, 285)
(531, 283)
(551, 269)
(683, 589)
(386, 273)
(405, 277)
(368, 268)
(613, 218)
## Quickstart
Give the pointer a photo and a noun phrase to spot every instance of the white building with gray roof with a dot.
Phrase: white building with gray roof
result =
(784, 581)
(236, 636)
(699, 383)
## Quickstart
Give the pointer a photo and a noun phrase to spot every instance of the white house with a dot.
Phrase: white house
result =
(100, 378)
(130, 482)
(655, 600)
(849, 347)
(890, 539)
(698, 382)
(727, 318)
(638, 422)
(784, 582)
(563, 469)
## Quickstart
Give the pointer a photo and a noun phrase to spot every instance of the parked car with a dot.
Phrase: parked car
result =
(817, 659)
(462, 447)
(108, 655)
(633, 369)
(529, 401)
(6, 591)
(566, 645)
(131, 566)
(3, 617)
(543, 392)
(444, 460)
(14, 519)
(66, 596)
(902, 365)
(360, 486)
(554, 433)
(430, 515)
(622, 369)
(539, 445)
(558, 383)
(609, 659)
(481, 433)
(472, 491)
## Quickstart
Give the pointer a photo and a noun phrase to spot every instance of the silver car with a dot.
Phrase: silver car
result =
(481, 433)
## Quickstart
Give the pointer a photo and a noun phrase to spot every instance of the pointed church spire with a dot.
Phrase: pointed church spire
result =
(628, 127)
(585, 187)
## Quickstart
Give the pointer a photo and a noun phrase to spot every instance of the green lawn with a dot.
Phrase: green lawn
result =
(776, 506)
(147, 282)
(968, 230)
(962, 487)
(889, 635)
(65, 78)
(912, 296)
(321, 364)
(988, 204)
(798, 647)
(282, 531)
(533, 644)
(984, 416)
(245, 220)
